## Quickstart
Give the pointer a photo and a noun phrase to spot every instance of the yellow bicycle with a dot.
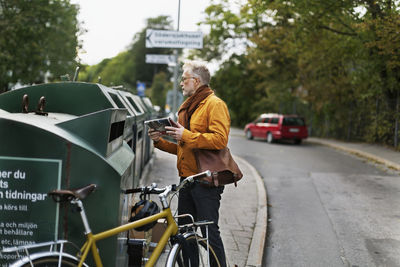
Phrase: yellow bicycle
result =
(200, 253)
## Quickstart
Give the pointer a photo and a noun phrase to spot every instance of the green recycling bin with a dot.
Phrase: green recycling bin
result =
(138, 132)
(146, 139)
(151, 114)
(77, 136)
(74, 98)
(147, 103)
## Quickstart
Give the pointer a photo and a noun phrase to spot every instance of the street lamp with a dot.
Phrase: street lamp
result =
(175, 89)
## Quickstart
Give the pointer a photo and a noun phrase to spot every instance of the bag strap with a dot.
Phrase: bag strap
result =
(214, 176)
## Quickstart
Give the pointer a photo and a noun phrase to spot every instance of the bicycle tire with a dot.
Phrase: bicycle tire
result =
(48, 261)
(175, 257)
(52, 261)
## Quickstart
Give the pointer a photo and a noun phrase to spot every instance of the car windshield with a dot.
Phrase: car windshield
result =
(291, 121)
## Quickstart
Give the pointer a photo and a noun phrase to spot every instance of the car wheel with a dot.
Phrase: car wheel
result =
(249, 135)
(270, 138)
(297, 141)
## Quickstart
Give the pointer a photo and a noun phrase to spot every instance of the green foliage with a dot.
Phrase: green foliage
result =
(159, 88)
(234, 83)
(38, 41)
(130, 66)
(110, 71)
(229, 30)
(335, 62)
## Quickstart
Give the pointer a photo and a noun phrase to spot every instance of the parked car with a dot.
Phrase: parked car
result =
(273, 127)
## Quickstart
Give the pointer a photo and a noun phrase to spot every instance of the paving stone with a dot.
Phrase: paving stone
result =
(238, 211)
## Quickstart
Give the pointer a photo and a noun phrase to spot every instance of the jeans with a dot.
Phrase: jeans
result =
(203, 204)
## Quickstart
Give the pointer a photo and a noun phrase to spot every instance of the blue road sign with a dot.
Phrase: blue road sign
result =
(140, 87)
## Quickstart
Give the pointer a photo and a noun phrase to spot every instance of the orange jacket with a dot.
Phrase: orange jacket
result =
(209, 129)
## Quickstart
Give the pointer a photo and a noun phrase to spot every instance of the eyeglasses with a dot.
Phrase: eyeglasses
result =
(183, 79)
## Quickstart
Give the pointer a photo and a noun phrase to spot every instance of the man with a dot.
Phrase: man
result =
(203, 122)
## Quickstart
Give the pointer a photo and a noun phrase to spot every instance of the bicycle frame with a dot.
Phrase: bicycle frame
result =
(91, 239)
(172, 229)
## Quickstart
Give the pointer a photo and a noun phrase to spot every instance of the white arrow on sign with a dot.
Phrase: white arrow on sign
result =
(173, 39)
(160, 59)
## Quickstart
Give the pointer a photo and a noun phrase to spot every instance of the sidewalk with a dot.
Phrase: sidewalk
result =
(243, 211)
(376, 153)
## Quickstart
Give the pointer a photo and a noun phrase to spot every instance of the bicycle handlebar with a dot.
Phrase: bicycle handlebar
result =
(189, 179)
(192, 178)
(154, 190)
(145, 189)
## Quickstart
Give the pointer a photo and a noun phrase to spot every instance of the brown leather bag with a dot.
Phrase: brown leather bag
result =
(221, 164)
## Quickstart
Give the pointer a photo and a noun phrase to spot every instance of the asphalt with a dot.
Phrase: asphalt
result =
(243, 211)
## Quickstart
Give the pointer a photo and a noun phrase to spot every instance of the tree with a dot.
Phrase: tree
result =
(334, 61)
(37, 41)
(229, 84)
(159, 88)
(110, 71)
(141, 71)
(230, 31)
(130, 66)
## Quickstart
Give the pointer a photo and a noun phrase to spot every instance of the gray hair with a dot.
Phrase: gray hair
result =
(199, 70)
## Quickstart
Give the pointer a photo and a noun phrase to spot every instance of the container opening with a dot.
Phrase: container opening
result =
(132, 145)
(117, 129)
(134, 105)
(130, 142)
(116, 99)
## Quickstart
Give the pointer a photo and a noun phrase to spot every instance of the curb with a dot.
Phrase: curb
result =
(256, 251)
(359, 153)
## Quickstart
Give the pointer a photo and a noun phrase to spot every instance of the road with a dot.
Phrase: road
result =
(326, 208)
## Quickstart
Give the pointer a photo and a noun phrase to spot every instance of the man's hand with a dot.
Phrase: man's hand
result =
(175, 132)
(154, 135)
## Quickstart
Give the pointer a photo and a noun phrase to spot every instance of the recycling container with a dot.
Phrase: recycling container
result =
(145, 137)
(64, 135)
(151, 114)
(75, 98)
(139, 134)
(148, 143)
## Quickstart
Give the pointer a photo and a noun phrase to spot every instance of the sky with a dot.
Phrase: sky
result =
(111, 24)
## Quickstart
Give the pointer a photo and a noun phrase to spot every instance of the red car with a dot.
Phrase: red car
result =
(277, 127)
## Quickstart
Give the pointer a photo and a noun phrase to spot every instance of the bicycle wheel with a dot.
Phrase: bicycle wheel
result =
(47, 261)
(52, 261)
(178, 256)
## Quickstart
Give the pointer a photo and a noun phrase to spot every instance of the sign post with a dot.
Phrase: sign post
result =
(160, 59)
(173, 39)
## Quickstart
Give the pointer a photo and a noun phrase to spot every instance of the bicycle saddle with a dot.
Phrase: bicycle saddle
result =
(63, 195)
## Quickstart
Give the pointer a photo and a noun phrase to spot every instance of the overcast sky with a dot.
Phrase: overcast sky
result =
(111, 24)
